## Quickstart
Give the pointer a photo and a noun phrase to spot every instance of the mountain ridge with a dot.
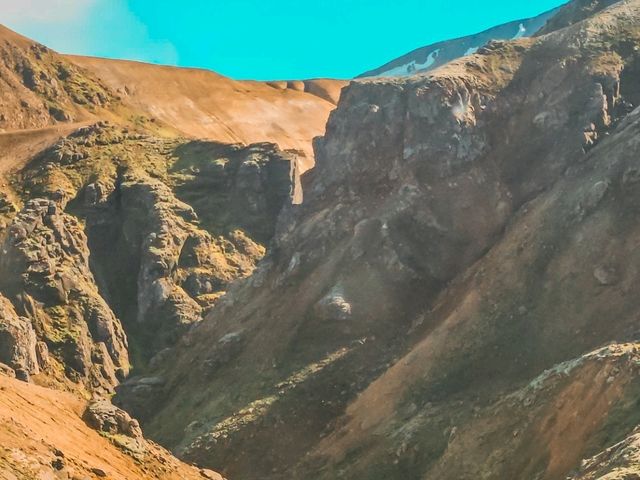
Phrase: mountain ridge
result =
(424, 59)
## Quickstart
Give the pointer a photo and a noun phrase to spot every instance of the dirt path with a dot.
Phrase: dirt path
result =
(18, 147)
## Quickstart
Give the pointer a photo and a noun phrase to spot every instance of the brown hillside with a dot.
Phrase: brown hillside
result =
(42, 435)
(203, 104)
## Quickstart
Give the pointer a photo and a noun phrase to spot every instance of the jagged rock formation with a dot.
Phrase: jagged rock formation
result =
(461, 233)
(118, 234)
(103, 243)
(18, 341)
(44, 269)
(154, 265)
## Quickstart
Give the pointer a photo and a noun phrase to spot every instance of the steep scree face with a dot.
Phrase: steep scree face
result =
(461, 233)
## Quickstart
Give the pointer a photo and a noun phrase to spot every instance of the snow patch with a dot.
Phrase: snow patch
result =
(412, 66)
(471, 51)
(522, 31)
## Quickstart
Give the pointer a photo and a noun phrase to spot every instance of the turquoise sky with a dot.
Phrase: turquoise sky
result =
(259, 39)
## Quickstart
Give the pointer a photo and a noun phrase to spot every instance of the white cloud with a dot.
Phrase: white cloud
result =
(115, 28)
(24, 12)
(87, 27)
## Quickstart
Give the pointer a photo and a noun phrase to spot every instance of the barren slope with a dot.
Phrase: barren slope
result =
(42, 435)
(203, 104)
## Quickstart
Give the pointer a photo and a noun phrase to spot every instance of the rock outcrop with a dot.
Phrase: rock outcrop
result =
(140, 254)
(44, 270)
(18, 341)
(103, 416)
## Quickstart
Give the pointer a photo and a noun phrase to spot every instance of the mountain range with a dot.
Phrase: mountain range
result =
(416, 275)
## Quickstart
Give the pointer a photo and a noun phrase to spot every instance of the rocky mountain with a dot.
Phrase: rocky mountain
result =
(432, 56)
(457, 282)
(121, 225)
(453, 298)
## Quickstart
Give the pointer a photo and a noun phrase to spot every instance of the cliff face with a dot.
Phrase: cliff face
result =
(105, 237)
(461, 233)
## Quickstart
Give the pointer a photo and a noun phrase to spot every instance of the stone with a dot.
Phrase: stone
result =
(98, 472)
(22, 374)
(42, 354)
(210, 474)
(7, 371)
(334, 306)
(103, 416)
(57, 463)
(606, 275)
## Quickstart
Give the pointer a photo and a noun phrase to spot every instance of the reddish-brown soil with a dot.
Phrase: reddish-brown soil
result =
(39, 426)
(203, 104)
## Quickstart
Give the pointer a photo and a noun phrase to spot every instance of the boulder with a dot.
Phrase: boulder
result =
(103, 416)
(334, 306)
